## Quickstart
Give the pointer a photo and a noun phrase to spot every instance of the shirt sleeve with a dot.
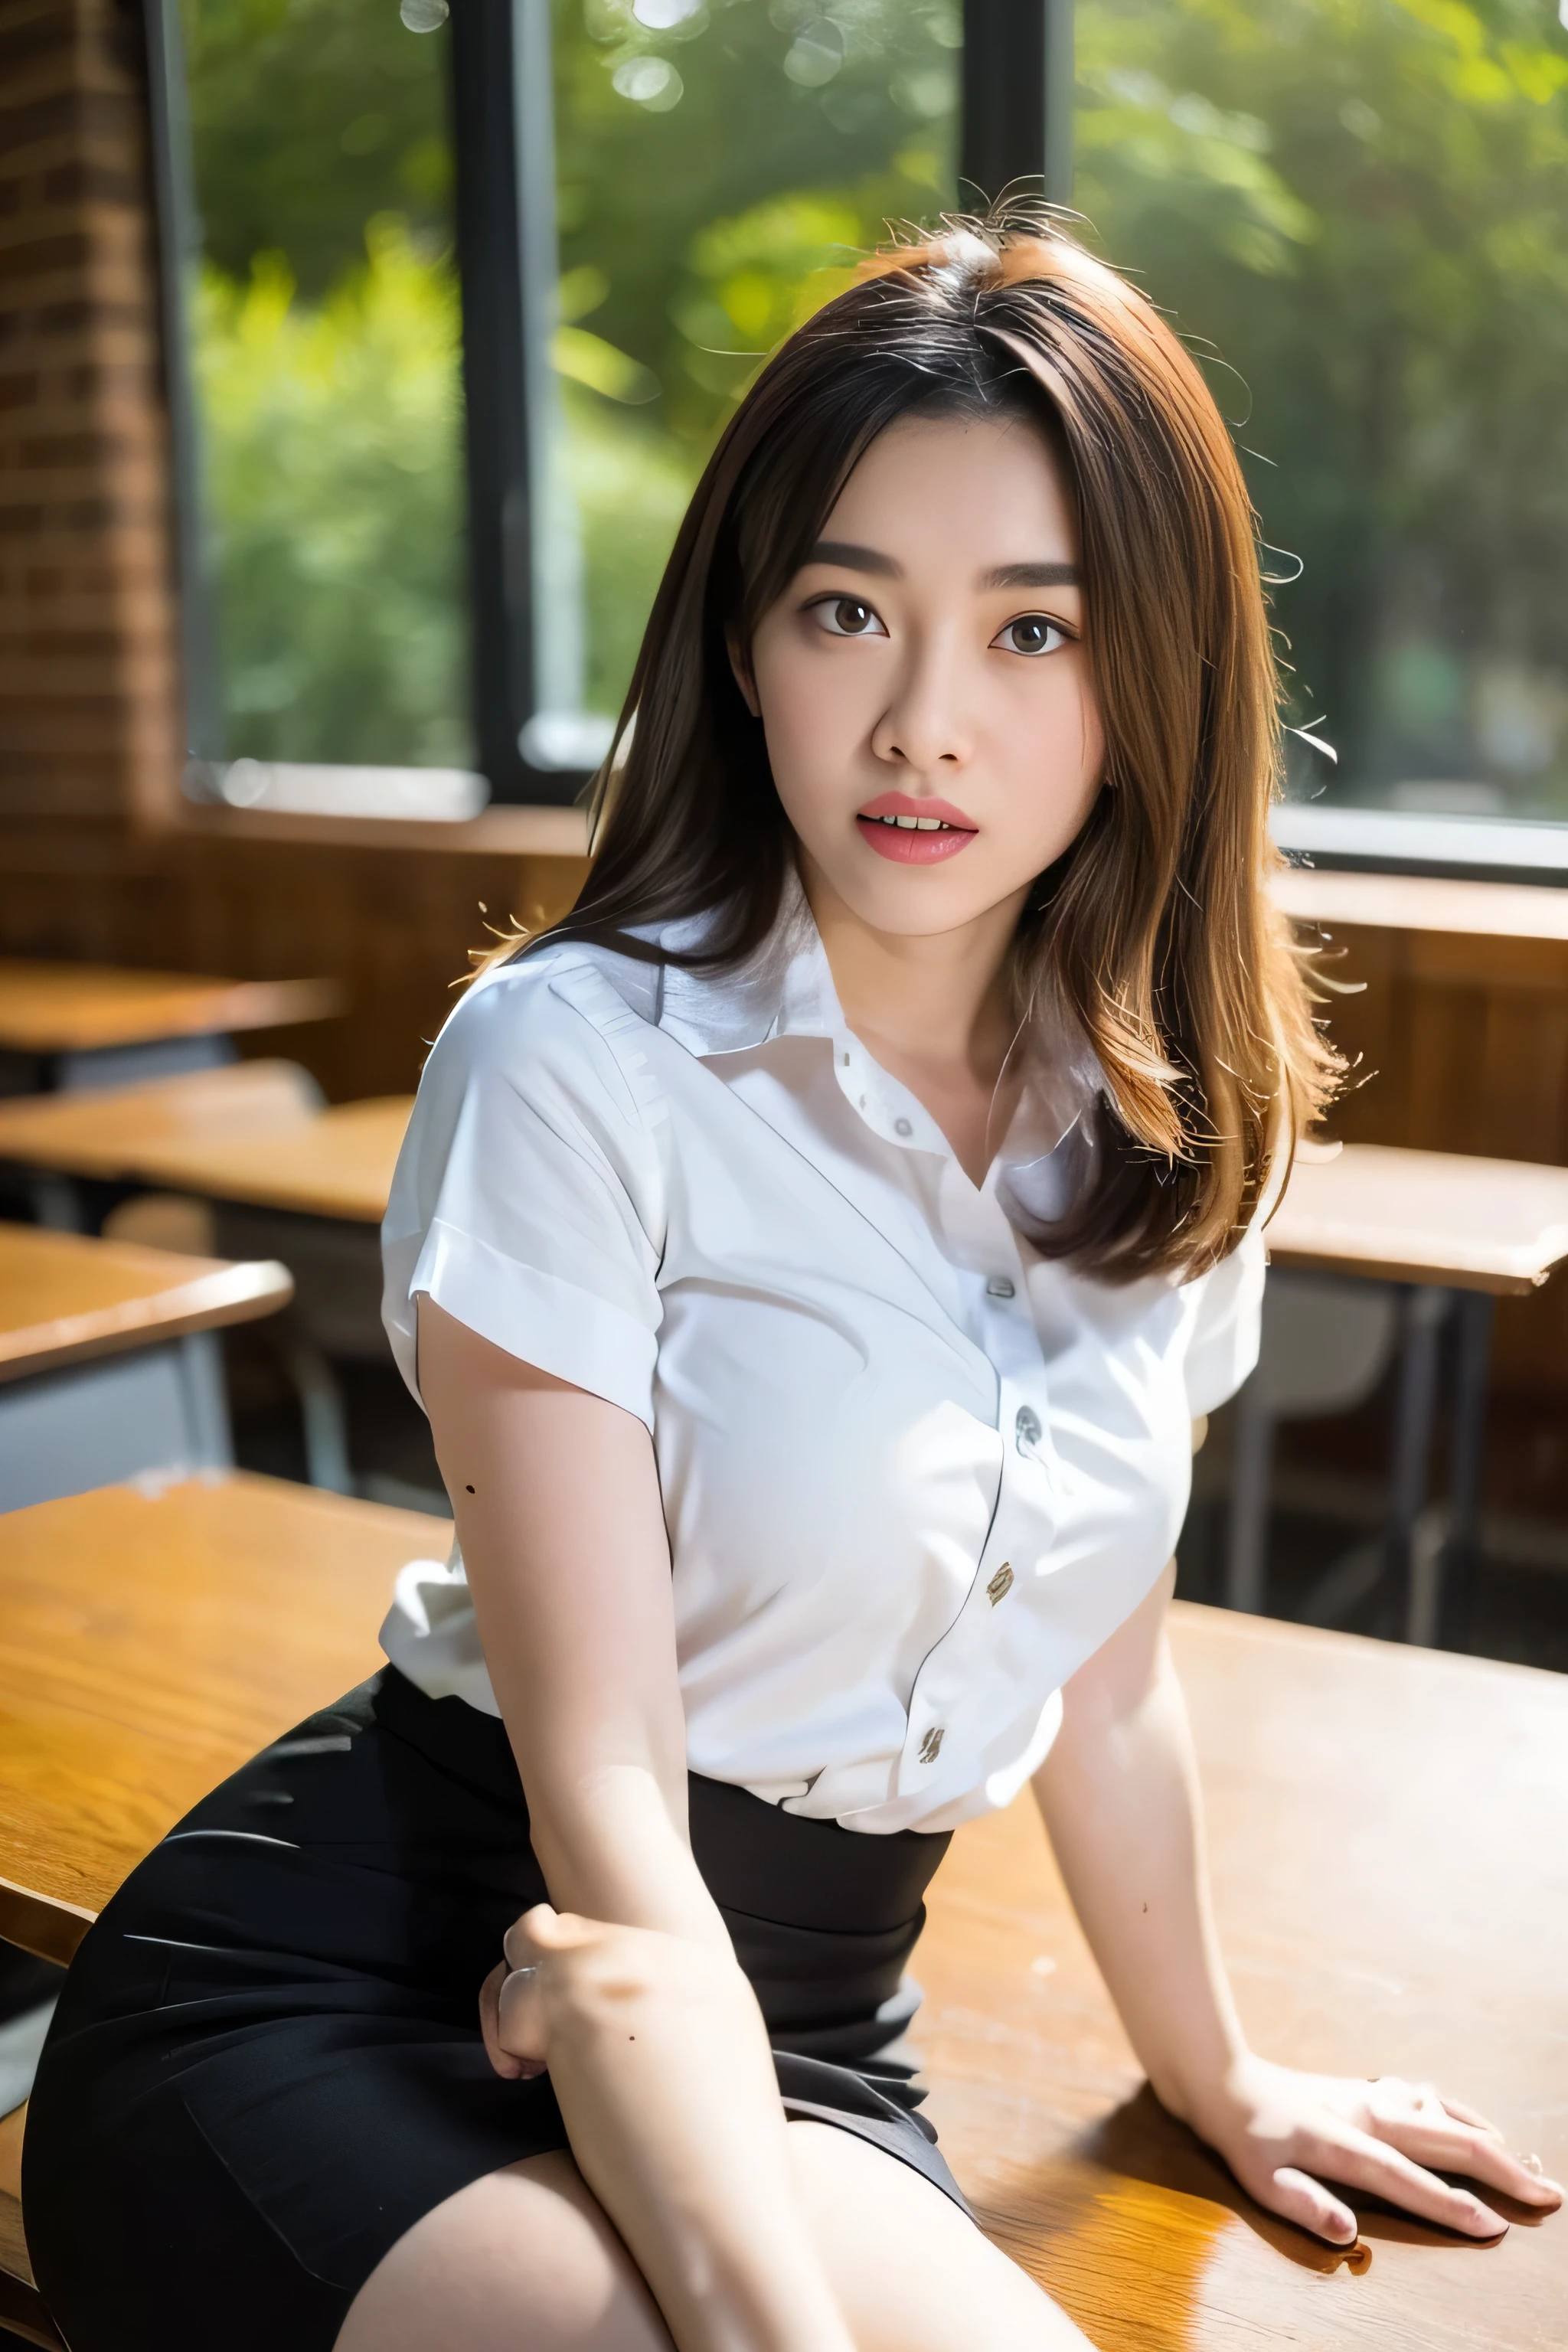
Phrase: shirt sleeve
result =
(528, 1199)
(1223, 1349)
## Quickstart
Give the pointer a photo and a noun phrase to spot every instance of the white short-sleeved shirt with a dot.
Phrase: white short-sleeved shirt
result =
(914, 1474)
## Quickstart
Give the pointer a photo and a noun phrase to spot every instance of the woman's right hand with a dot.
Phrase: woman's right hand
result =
(658, 2056)
(562, 1975)
(574, 1993)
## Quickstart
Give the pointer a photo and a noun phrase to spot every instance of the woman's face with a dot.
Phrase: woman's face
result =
(922, 681)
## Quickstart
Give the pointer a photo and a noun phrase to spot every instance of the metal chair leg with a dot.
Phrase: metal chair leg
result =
(321, 1409)
(1474, 1313)
(207, 1401)
(1426, 1310)
(1251, 1467)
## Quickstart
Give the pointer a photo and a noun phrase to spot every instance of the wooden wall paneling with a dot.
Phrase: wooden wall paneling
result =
(1361, 974)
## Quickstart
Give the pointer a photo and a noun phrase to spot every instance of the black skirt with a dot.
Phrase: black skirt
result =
(265, 2065)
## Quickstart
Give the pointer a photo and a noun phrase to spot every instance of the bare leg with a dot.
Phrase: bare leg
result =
(525, 2261)
(911, 2274)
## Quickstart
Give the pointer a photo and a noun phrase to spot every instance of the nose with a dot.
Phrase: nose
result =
(924, 726)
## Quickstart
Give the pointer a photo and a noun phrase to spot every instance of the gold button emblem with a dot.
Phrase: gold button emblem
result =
(1001, 1584)
(931, 1746)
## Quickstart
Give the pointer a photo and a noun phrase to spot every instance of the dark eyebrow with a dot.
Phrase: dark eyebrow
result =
(1032, 575)
(843, 551)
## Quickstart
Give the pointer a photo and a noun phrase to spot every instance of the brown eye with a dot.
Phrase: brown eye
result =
(1033, 635)
(849, 617)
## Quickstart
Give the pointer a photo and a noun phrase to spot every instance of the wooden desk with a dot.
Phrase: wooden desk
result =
(1460, 1233)
(1392, 1883)
(64, 1299)
(1496, 1225)
(337, 1164)
(150, 1641)
(293, 1181)
(1419, 902)
(49, 1009)
(108, 1136)
(256, 1133)
(1390, 1874)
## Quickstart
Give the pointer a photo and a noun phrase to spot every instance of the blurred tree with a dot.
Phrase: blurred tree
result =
(776, 140)
(334, 444)
(1361, 208)
(309, 116)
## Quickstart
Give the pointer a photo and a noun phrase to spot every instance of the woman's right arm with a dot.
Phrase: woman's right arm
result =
(656, 2046)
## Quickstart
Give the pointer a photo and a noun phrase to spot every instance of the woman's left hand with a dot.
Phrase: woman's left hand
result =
(1285, 2135)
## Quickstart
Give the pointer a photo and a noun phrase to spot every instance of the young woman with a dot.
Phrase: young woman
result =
(811, 1256)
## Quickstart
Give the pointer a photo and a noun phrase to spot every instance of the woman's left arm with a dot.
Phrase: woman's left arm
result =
(1119, 1796)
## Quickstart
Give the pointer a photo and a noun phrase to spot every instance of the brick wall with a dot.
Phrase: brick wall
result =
(87, 678)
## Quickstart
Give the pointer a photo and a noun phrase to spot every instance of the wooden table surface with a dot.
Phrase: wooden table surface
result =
(1391, 1878)
(253, 1133)
(105, 1132)
(63, 1298)
(336, 1164)
(75, 1008)
(1423, 902)
(152, 1637)
(1498, 1225)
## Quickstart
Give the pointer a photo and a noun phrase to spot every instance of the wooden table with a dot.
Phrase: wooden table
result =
(150, 1641)
(1390, 1871)
(337, 1163)
(1495, 1225)
(291, 1179)
(64, 1299)
(1458, 1231)
(256, 1133)
(1392, 1883)
(1423, 902)
(109, 1366)
(80, 1022)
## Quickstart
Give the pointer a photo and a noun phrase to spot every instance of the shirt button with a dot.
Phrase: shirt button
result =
(902, 1126)
(1001, 1583)
(1029, 1427)
(999, 1286)
(931, 1746)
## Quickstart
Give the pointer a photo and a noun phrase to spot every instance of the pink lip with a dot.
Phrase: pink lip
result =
(907, 847)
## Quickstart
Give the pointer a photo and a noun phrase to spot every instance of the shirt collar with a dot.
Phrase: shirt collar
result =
(784, 988)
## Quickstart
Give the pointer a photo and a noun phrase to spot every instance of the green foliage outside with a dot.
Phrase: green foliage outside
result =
(1357, 209)
(1361, 207)
(333, 437)
(692, 236)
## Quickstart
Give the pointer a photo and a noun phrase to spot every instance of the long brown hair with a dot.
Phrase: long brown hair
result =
(1154, 933)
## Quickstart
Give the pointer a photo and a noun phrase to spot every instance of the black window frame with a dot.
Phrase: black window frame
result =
(1016, 127)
